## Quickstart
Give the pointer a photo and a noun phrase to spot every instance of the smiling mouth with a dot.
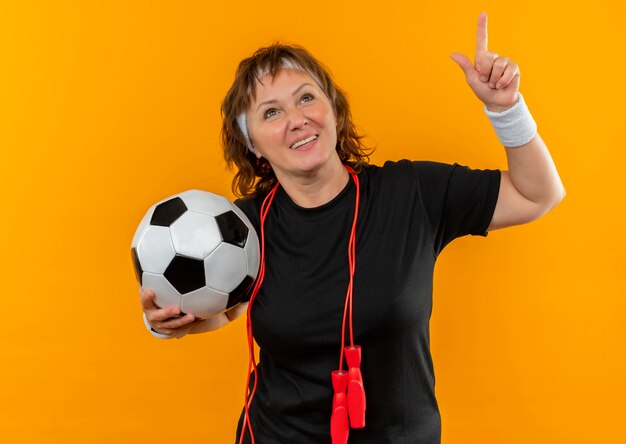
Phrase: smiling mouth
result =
(303, 142)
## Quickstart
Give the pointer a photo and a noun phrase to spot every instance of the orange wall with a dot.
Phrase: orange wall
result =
(107, 107)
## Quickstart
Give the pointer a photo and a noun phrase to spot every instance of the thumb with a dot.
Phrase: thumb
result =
(464, 63)
(147, 299)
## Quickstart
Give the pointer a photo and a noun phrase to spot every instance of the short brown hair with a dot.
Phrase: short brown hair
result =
(270, 60)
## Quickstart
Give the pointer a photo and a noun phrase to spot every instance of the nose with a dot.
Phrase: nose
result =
(297, 119)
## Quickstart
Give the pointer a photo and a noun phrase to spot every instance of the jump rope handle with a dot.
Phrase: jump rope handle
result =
(356, 392)
(339, 428)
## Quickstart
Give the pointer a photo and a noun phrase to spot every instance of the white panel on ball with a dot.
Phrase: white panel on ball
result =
(205, 202)
(166, 295)
(223, 268)
(252, 254)
(142, 226)
(252, 244)
(195, 235)
(155, 249)
(204, 302)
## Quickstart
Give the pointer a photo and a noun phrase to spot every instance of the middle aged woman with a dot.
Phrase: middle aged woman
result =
(343, 239)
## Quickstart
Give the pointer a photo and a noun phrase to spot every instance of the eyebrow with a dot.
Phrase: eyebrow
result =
(293, 94)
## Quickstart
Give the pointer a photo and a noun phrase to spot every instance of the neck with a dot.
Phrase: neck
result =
(318, 188)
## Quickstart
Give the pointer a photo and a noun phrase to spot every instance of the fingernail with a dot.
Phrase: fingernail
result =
(492, 85)
(483, 78)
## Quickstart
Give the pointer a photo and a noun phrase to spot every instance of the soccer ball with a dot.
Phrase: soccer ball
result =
(198, 251)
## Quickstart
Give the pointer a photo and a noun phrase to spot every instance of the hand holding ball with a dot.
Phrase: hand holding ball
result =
(197, 251)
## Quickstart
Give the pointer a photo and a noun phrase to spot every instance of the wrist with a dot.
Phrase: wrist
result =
(497, 109)
(514, 126)
(500, 108)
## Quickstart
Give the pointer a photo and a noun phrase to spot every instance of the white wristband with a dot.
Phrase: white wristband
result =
(155, 333)
(515, 126)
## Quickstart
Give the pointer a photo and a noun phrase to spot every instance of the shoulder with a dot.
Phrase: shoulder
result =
(251, 207)
(431, 180)
(397, 181)
(429, 171)
(411, 171)
(413, 166)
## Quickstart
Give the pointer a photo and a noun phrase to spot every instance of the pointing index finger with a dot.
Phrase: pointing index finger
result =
(481, 34)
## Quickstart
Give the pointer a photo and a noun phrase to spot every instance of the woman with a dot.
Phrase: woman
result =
(288, 130)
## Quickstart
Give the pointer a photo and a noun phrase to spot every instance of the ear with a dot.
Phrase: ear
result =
(256, 152)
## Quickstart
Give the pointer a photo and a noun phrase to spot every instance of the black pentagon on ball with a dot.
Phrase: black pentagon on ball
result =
(232, 229)
(137, 265)
(166, 213)
(241, 292)
(185, 274)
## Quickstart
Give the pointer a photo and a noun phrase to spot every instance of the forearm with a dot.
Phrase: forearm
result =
(220, 320)
(531, 169)
(534, 173)
(210, 324)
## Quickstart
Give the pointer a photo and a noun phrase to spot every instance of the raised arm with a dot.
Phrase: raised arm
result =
(531, 186)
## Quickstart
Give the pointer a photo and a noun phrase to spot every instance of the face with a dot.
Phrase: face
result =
(292, 124)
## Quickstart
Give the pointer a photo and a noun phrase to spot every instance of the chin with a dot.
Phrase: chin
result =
(318, 159)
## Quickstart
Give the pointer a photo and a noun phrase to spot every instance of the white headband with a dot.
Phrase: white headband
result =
(241, 118)
(243, 126)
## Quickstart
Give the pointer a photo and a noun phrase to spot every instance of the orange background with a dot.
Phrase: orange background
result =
(108, 107)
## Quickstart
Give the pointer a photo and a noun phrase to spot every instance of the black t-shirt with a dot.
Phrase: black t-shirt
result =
(409, 211)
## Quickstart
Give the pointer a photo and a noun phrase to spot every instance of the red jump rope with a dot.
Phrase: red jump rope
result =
(348, 408)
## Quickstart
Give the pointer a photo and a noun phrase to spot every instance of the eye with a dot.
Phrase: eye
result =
(269, 113)
(307, 97)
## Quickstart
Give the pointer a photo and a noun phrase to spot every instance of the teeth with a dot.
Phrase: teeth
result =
(302, 142)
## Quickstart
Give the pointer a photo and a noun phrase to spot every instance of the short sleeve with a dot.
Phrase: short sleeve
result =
(458, 200)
